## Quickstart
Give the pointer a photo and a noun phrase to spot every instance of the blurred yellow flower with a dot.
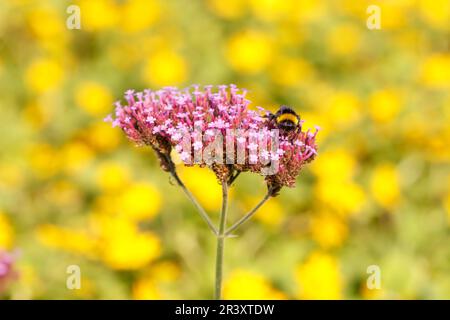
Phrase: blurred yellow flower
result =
(328, 230)
(11, 176)
(270, 10)
(316, 118)
(87, 290)
(98, 15)
(43, 74)
(410, 40)
(307, 11)
(111, 176)
(6, 232)
(165, 68)
(319, 277)
(343, 197)
(249, 52)
(244, 284)
(354, 8)
(203, 184)
(436, 13)
(145, 288)
(414, 129)
(138, 15)
(230, 9)
(106, 203)
(436, 71)
(384, 105)
(447, 205)
(344, 45)
(343, 109)
(94, 98)
(76, 156)
(438, 151)
(70, 240)
(139, 201)
(122, 245)
(46, 23)
(165, 271)
(374, 294)
(44, 160)
(37, 114)
(270, 214)
(385, 185)
(335, 165)
(395, 14)
(102, 136)
(291, 71)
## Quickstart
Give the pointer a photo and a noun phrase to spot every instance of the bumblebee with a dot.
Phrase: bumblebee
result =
(286, 119)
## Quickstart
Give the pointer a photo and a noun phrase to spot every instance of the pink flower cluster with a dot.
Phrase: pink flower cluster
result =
(7, 272)
(297, 149)
(168, 118)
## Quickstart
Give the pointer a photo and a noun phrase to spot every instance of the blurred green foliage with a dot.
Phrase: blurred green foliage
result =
(73, 191)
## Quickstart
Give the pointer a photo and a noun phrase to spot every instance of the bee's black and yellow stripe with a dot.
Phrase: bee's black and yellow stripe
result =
(287, 119)
(287, 116)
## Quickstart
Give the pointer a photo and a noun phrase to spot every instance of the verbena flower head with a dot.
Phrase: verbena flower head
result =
(216, 123)
(7, 272)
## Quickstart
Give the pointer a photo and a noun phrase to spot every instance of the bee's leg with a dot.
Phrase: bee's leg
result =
(269, 116)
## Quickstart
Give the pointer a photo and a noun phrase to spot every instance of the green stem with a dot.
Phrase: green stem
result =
(221, 242)
(191, 197)
(248, 215)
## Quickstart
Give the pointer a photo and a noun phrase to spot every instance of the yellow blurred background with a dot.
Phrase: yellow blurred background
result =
(74, 191)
